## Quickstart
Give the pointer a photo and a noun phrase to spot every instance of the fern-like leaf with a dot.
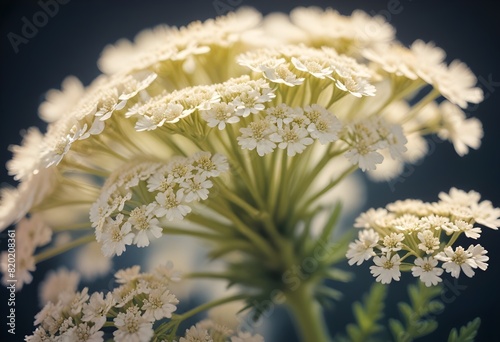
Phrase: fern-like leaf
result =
(467, 333)
(417, 321)
(368, 314)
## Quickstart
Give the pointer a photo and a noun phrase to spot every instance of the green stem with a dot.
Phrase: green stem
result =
(207, 306)
(307, 314)
(49, 253)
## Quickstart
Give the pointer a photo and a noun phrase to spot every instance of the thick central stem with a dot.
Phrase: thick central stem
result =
(307, 314)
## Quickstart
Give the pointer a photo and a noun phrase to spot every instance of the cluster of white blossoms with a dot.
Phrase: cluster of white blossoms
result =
(269, 102)
(136, 197)
(208, 330)
(421, 237)
(290, 129)
(31, 233)
(131, 309)
(217, 104)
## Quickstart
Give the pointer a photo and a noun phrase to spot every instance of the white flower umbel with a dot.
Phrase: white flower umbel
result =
(362, 249)
(236, 131)
(425, 234)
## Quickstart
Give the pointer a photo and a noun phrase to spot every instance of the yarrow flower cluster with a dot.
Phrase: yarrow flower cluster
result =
(165, 191)
(420, 237)
(140, 300)
(228, 131)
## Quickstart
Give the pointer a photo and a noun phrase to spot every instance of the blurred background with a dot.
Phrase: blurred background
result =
(70, 43)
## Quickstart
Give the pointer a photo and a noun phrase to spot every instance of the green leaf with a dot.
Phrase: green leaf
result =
(367, 314)
(416, 314)
(338, 274)
(467, 333)
(397, 330)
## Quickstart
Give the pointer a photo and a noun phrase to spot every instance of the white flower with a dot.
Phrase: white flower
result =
(462, 132)
(282, 74)
(132, 327)
(417, 148)
(166, 273)
(247, 337)
(59, 102)
(257, 136)
(293, 138)
(156, 114)
(469, 230)
(409, 206)
(196, 334)
(124, 294)
(479, 256)
(16, 202)
(220, 114)
(33, 232)
(160, 303)
(126, 275)
(484, 213)
(362, 249)
(407, 222)
(324, 125)
(387, 170)
(91, 263)
(160, 182)
(456, 260)
(145, 224)
(196, 188)
(356, 86)
(348, 34)
(74, 301)
(428, 59)
(97, 307)
(313, 67)
(396, 141)
(457, 83)
(386, 268)
(365, 156)
(460, 197)
(428, 242)
(392, 242)
(249, 102)
(26, 159)
(56, 283)
(425, 268)
(209, 165)
(180, 168)
(116, 236)
(395, 59)
(39, 335)
(170, 205)
(372, 218)
(436, 221)
(279, 115)
(25, 264)
(84, 333)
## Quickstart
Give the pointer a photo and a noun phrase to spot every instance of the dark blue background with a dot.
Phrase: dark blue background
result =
(71, 42)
